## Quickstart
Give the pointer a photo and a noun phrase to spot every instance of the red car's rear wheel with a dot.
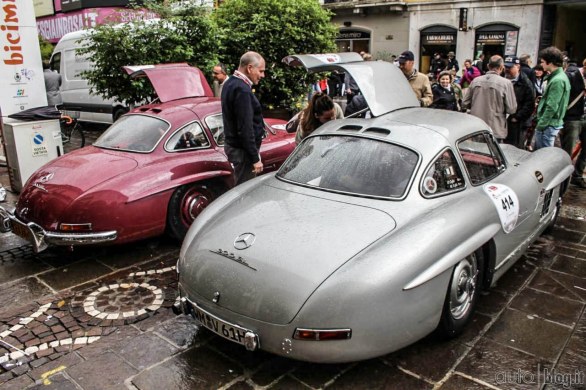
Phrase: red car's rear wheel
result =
(186, 204)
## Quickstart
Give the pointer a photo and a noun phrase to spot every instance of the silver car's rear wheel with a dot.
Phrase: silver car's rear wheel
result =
(462, 294)
(463, 287)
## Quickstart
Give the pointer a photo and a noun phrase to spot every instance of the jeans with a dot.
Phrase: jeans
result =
(546, 137)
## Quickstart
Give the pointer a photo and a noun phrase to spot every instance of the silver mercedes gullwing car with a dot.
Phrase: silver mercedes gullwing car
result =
(374, 233)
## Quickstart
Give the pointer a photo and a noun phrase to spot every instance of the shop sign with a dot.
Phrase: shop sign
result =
(70, 5)
(353, 34)
(511, 44)
(439, 39)
(43, 7)
(21, 74)
(491, 38)
(52, 28)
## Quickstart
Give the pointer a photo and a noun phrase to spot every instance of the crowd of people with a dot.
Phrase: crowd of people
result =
(529, 107)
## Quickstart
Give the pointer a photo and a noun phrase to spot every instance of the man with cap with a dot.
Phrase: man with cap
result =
(491, 97)
(452, 63)
(419, 82)
(518, 122)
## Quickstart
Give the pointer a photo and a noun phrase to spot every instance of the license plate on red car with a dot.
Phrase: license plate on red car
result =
(225, 329)
(21, 230)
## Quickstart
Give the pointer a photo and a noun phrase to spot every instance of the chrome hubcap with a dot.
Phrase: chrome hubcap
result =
(463, 287)
(196, 205)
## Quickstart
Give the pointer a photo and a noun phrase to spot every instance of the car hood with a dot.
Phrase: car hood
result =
(55, 186)
(373, 79)
(298, 240)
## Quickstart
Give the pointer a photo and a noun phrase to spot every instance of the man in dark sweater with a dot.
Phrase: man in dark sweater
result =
(517, 123)
(243, 122)
(573, 118)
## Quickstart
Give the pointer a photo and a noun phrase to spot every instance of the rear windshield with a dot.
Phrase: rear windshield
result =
(135, 133)
(353, 165)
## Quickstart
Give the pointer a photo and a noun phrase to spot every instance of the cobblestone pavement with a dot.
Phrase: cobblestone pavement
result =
(101, 318)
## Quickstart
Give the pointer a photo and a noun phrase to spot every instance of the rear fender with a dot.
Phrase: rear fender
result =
(451, 258)
(223, 175)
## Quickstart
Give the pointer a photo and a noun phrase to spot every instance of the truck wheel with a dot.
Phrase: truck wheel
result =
(186, 203)
(118, 112)
(462, 294)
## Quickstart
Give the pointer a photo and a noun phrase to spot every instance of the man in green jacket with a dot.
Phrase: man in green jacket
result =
(554, 102)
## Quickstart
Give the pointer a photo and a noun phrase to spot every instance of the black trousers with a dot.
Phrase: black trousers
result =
(515, 134)
(243, 170)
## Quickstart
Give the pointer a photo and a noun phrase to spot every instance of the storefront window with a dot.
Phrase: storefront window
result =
(353, 40)
(498, 39)
(436, 40)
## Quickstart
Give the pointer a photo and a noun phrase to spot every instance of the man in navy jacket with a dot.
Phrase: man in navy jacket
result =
(243, 122)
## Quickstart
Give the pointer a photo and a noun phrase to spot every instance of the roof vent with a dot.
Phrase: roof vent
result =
(377, 131)
(351, 128)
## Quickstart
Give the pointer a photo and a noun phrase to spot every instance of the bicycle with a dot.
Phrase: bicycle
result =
(72, 135)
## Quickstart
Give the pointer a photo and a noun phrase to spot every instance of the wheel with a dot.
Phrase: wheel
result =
(462, 294)
(118, 112)
(77, 137)
(186, 203)
(73, 137)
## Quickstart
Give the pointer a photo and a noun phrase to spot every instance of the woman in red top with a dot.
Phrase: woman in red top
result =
(470, 73)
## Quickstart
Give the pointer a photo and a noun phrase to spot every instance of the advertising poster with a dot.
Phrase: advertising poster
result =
(43, 7)
(21, 71)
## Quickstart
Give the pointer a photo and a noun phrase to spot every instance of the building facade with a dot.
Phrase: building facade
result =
(467, 28)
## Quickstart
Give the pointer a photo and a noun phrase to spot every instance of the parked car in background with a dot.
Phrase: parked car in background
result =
(78, 101)
(374, 233)
(153, 171)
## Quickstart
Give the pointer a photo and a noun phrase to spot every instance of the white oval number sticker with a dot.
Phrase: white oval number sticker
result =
(506, 202)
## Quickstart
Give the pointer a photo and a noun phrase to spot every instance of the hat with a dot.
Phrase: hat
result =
(406, 56)
(511, 60)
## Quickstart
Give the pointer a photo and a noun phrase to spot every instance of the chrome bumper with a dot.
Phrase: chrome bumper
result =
(41, 239)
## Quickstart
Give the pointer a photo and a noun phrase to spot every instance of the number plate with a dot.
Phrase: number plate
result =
(21, 230)
(229, 331)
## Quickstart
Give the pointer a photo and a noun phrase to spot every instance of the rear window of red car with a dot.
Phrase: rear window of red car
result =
(134, 133)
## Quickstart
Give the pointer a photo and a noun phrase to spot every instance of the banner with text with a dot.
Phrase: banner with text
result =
(52, 28)
(21, 73)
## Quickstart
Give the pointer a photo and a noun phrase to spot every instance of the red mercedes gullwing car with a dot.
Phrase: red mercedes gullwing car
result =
(152, 171)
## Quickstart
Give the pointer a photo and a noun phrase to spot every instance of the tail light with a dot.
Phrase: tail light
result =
(322, 334)
(75, 227)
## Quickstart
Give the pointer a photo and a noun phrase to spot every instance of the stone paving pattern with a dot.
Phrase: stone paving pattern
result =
(533, 320)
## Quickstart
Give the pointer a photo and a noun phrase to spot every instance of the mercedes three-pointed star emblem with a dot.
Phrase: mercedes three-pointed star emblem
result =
(244, 241)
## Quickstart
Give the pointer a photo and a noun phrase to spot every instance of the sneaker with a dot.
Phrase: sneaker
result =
(578, 181)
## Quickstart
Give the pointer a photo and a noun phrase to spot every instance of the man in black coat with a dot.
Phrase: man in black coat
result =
(525, 95)
(243, 122)
(573, 118)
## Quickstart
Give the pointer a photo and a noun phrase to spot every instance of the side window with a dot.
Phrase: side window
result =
(189, 137)
(482, 157)
(56, 62)
(443, 176)
(216, 125)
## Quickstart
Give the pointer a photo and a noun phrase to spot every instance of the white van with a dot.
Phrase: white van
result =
(78, 102)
